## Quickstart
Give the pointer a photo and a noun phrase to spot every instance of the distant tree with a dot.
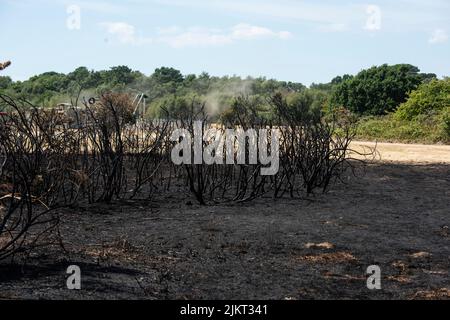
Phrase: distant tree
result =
(5, 82)
(45, 83)
(307, 104)
(166, 75)
(121, 75)
(328, 87)
(189, 79)
(80, 75)
(322, 86)
(378, 90)
(96, 79)
(167, 80)
(295, 86)
(270, 86)
(339, 79)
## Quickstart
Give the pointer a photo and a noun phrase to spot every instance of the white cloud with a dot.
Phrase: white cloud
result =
(246, 31)
(216, 37)
(124, 32)
(438, 36)
(178, 38)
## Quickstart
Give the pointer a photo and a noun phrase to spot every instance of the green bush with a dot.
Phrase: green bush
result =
(429, 98)
(445, 122)
(434, 129)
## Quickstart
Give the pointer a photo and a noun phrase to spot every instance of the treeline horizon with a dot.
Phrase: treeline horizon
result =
(49, 86)
(394, 102)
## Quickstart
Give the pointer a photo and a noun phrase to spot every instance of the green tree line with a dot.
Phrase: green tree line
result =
(383, 97)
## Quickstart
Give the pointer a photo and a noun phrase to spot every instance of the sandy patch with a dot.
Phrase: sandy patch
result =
(408, 153)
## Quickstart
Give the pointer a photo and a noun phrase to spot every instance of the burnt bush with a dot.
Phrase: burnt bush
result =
(222, 178)
(32, 179)
(313, 149)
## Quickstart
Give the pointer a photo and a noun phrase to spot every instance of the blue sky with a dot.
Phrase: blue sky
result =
(303, 41)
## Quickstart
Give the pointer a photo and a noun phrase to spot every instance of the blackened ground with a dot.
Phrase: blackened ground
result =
(394, 216)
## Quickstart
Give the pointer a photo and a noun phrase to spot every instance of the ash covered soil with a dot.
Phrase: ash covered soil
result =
(396, 216)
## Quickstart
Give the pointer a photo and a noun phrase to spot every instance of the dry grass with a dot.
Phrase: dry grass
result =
(120, 250)
(421, 254)
(400, 279)
(401, 266)
(323, 245)
(334, 276)
(324, 258)
(436, 294)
